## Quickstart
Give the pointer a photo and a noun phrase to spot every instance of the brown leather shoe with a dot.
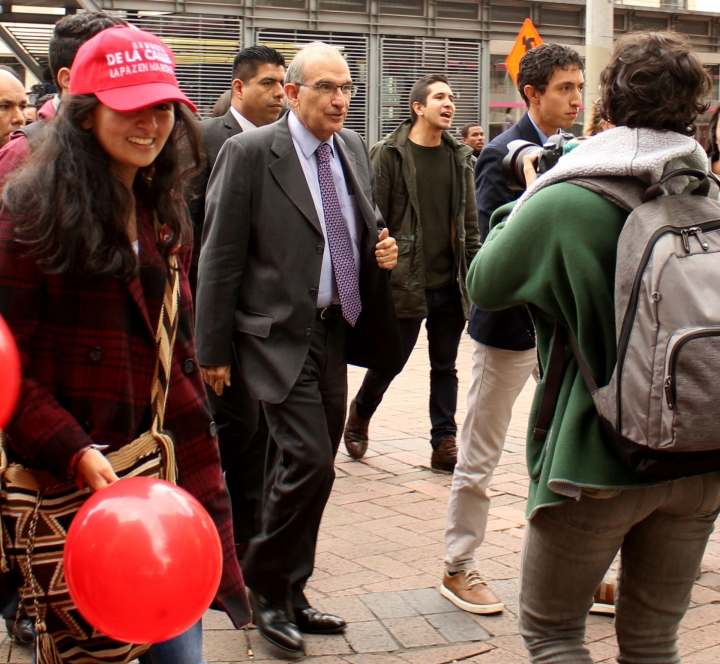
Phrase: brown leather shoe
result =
(468, 591)
(356, 433)
(444, 456)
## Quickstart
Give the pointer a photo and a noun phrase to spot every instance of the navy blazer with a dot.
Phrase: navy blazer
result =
(509, 329)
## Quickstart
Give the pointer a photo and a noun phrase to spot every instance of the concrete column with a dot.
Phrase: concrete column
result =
(598, 44)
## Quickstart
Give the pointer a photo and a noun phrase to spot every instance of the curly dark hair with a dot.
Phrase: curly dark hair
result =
(712, 148)
(654, 80)
(538, 65)
(71, 212)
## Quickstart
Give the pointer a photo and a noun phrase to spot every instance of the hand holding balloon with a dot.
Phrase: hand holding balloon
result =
(142, 560)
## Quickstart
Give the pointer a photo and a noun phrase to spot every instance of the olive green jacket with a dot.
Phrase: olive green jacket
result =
(398, 203)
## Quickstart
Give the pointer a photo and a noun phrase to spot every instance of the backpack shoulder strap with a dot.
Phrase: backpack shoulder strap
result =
(553, 380)
(625, 192)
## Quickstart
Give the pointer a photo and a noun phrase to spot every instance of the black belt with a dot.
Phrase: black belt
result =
(328, 313)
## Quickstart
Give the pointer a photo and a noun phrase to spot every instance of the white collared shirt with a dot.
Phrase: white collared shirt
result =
(305, 145)
(244, 123)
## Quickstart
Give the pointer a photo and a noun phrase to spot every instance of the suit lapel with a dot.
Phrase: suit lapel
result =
(349, 167)
(289, 175)
(231, 124)
(527, 130)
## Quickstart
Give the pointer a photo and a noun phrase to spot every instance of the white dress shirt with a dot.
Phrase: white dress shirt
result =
(244, 123)
(305, 145)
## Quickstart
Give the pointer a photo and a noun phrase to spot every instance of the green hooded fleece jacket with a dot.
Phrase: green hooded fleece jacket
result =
(398, 202)
(558, 253)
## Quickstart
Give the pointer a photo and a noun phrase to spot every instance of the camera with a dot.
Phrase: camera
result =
(548, 156)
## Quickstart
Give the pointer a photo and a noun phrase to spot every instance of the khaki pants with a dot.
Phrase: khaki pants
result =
(498, 377)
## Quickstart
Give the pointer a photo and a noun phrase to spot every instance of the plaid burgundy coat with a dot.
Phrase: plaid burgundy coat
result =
(88, 354)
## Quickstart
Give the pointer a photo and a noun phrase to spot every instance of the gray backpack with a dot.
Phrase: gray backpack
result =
(661, 410)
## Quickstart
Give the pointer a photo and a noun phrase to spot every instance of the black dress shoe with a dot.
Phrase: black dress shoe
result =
(311, 621)
(272, 622)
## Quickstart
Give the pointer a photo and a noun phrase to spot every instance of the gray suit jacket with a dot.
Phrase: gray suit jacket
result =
(261, 260)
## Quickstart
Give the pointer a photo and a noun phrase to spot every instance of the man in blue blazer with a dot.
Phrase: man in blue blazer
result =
(550, 81)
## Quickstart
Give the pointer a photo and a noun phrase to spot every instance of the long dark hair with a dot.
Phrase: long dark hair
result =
(71, 213)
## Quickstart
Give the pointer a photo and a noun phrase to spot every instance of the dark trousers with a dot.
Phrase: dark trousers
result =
(445, 323)
(305, 431)
(242, 437)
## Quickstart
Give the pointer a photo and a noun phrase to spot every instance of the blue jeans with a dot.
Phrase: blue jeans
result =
(183, 649)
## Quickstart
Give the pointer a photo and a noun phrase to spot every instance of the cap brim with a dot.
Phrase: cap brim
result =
(135, 97)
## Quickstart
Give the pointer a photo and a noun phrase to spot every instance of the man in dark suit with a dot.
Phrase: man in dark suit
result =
(293, 270)
(258, 99)
(550, 81)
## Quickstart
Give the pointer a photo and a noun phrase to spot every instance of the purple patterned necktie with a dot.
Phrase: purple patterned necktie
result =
(339, 240)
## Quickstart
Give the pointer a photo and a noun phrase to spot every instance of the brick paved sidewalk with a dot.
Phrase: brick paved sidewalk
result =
(380, 554)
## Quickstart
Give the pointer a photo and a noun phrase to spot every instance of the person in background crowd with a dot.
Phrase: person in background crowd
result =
(713, 142)
(584, 504)
(509, 120)
(79, 253)
(257, 98)
(222, 104)
(30, 111)
(550, 81)
(473, 135)
(69, 34)
(257, 93)
(427, 198)
(12, 104)
(293, 270)
(594, 124)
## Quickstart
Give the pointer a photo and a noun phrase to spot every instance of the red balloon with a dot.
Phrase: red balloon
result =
(142, 560)
(10, 372)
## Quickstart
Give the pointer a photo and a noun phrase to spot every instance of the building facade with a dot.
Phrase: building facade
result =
(389, 44)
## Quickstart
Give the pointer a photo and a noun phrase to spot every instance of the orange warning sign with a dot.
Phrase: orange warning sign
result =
(527, 38)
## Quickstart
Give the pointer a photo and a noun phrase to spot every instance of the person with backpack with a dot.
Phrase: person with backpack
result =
(630, 466)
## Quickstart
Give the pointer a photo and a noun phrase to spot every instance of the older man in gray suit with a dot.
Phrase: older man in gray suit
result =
(293, 269)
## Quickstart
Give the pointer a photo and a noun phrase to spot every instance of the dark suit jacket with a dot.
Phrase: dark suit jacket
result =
(510, 329)
(214, 132)
(261, 260)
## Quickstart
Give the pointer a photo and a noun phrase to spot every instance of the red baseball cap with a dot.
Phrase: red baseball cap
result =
(126, 69)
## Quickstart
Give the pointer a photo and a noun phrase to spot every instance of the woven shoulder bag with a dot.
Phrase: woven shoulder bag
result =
(37, 512)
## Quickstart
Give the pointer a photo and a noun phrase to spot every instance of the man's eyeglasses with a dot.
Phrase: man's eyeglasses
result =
(327, 89)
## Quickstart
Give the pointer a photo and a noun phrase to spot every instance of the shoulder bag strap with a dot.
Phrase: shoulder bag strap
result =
(165, 339)
(553, 380)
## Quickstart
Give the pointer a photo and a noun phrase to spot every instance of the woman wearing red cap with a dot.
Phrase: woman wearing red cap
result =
(82, 276)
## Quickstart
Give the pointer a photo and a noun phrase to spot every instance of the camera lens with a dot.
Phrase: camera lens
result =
(512, 165)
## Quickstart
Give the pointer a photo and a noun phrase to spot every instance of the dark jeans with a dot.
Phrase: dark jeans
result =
(305, 431)
(445, 323)
(242, 437)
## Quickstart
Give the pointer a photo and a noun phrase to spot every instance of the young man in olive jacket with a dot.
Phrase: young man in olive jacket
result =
(426, 194)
